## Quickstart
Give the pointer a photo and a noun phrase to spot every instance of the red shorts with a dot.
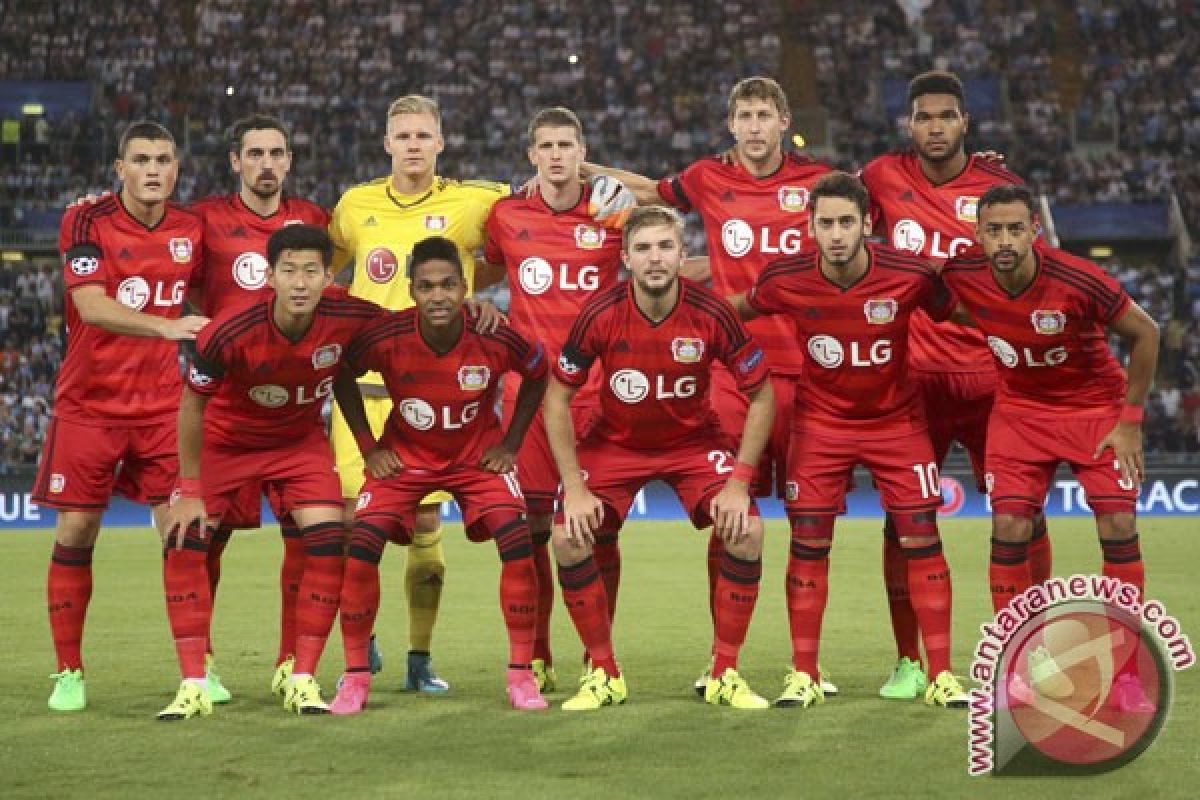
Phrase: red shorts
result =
(615, 474)
(730, 405)
(300, 474)
(900, 462)
(1024, 451)
(536, 469)
(957, 406)
(84, 464)
(245, 513)
(390, 505)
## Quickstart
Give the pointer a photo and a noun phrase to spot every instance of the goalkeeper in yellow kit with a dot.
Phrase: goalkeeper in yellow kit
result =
(376, 225)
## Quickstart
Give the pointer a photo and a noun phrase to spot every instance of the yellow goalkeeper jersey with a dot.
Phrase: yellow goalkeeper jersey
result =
(378, 227)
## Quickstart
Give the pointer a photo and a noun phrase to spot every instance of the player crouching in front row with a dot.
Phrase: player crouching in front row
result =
(442, 434)
(251, 413)
(657, 337)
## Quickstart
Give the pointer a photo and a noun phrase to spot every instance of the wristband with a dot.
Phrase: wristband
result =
(1132, 413)
(744, 472)
(366, 442)
(190, 488)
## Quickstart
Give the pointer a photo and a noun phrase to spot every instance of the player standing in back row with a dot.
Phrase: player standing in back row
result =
(127, 261)
(923, 201)
(557, 258)
(754, 201)
(232, 275)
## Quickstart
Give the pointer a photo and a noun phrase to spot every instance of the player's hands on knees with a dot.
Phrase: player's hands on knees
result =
(181, 516)
(498, 458)
(89, 199)
(582, 515)
(383, 462)
(730, 511)
(490, 317)
(184, 328)
(1125, 439)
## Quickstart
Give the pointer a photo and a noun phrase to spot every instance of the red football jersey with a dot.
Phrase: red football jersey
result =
(444, 404)
(1049, 341)
(750, 222)
(936, 222)
(124, 380)
(656, 375)
(235, 240)
(856, 374)
(265, 388)
(555, 260)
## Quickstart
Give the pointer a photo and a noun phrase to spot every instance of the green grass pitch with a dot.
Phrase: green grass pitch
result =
(664, 743)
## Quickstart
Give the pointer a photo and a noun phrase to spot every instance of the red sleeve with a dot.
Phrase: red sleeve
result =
(675, 189)
(766, 296)
(524, 357)
(83, 260)
(578, 355)
(738, 351)
(1110, 304)
(492, 253)
(874, 210)
(366, 351)
(206, 371)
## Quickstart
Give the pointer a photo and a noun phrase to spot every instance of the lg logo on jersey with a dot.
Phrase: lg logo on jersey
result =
(420, 415)
(272, 395)
(537, 276)
(907, 234)
(1007, 355)
(250, 271)
(831, 354)
(631, 386)
(738, 239)
(135, 293)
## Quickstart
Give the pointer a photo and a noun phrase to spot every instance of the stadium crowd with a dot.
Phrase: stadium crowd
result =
(657, 106)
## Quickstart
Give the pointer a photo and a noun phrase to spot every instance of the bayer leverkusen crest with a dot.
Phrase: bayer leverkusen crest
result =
(181, 250)
(1048, 323)
(473, 379)
(327, 356)
(881, 312)
(588, 237)
(793, 198)
(687, 349)
(436, 222)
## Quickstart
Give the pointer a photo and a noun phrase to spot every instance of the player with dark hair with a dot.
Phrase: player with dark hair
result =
(127, 260)
(442, 434)
(754, 202)
(234, 274)
(923, 201)
(557, 258)
(657, 338)
(1062, 395)
(251, 415)
(852, 303)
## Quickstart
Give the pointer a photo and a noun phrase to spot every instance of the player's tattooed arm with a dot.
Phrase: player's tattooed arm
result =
(189, 509)
(1141, 332)
(730, 509)
(381, 462)
(643, 188)
(487, 274)
(97, 308)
